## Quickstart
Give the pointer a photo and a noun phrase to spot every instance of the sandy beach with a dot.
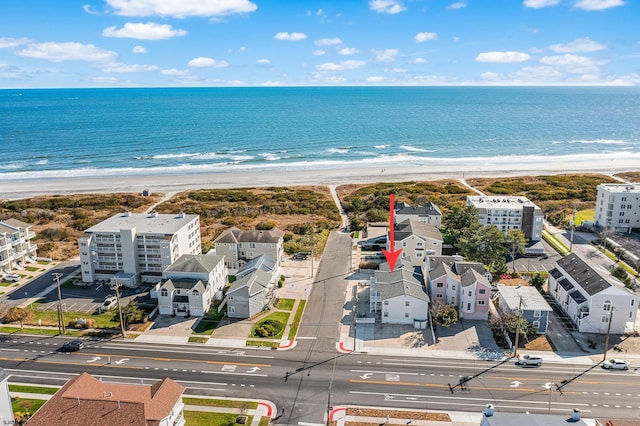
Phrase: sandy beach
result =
(25, 188)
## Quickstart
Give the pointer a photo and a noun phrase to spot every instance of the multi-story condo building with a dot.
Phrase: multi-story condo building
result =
(15, 244)
(618, 206)
(239, 247)
(508, 212)
(137, 247)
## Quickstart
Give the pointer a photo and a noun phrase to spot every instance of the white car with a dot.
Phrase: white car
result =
(615, 364)
(12, 277)
(108, 304)
(530, 360)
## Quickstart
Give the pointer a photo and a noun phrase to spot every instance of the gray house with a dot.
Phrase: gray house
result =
(253, 289)
(429, 213)
(529, 302)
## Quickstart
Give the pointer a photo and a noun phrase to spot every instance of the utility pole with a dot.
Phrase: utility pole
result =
(515, 349)
(61, 328)
(573, 224)
(606, 340)
(122, 330)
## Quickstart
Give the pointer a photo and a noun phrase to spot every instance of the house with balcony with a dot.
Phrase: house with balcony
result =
(254, 288)
(429, 213)
(15, 244)
(131, 248)
(593, 301)
(87, 400)
(399, 297)
(239, 247)
(464, 285)
(618, 206)
(526, 302)
(416, 240)
(190, 284)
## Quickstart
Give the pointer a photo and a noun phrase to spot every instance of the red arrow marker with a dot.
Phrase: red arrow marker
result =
(392, 256)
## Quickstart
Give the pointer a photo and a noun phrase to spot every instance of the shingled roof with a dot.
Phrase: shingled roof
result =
(198, 263)
(409, 227)
(85, 400)
(429, 209)
(234, 235)
(586, 277)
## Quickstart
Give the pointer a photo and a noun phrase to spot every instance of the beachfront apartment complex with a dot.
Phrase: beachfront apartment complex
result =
(137, 247)
(509, 212)
(15, 244)
(618, 207)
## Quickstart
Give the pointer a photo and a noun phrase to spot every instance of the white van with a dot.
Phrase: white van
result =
(530, 360)
(12, 278)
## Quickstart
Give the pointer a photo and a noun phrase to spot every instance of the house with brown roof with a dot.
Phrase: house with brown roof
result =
(239, 247)
(85, 400)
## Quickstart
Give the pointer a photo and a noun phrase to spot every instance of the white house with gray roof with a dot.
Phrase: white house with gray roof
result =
(190, 284)
(429, 213)
(137, 247)
(591, 299)
(416, 240)
(527, 302)
(399, 297)
(253, 289)
(238, 246)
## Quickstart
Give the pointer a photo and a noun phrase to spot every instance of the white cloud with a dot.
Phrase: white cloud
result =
(597, 4)
(386, 55)
(575, 64)
(203, 62)
(457, 5)
(491, 76)
(89, 9)
(584, 44)
(242, 49)
(537, 4)
(139, 49)
(318, 52)
(348, 51)
(503, 57)
(13, 42)
(68, 51)
(140, 31)
(129, 68)
(271, 83)
(387, 6)
(181, 8)
(420, 37)
(328, 41)
(176, 72)
(110, 80)
(263, 61)
(375, 79)
(418, 61)
(319, 12)
(627, 80)
(401, 70)
(344, 65)
(290, 36)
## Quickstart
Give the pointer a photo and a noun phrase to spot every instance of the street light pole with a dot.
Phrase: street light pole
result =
(61, 328)
(515, 350)
(606, 340)
(124, 333)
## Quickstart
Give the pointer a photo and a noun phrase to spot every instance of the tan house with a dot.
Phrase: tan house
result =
(238, 246)
(85, 400)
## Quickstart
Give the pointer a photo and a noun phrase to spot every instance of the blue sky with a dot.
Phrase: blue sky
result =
(150, 43)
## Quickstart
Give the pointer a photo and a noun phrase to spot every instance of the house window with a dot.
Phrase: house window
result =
(404, 244)
(232, 309)
(469, 293)
(195, 292)
(537, 314)
(480, 302)
(536, 324)
(386, 302)
(386, 313)
(482, 291)
(632, 300)
(164, 292)
(406, 314)
(453, 287)
(440, 285)
(607, 305)
(252, 245)
(439, 296)
(407, 303)
(605, 318)
(230, 297)
(468, 306)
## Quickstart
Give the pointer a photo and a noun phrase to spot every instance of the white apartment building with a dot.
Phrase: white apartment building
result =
(509, 212)
(15, 244)
(618, 207)
(137, 247)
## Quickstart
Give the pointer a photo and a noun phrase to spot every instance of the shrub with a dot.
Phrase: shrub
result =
(268, 328)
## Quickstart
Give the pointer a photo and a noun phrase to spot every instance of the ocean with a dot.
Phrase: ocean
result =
(104, 132)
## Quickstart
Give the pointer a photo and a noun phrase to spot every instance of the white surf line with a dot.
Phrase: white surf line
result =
(484, 400)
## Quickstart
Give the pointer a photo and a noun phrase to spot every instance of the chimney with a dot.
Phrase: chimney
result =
(488, 410)
(576, 415)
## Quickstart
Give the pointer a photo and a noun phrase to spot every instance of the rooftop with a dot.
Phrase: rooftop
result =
(530, 296)
(498, 201)
(145, 223)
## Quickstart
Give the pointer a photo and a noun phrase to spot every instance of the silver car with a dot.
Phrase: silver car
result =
(615, 364)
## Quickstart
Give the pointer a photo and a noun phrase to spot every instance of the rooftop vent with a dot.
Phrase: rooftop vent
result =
(126, 214)
(153, 214)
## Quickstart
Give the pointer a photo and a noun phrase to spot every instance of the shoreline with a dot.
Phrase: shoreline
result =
(12, 189)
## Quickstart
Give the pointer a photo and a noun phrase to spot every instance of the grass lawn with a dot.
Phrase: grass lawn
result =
(582, 215)
(278, 317)
(198, 339)
(296, 320)
(285, 304)
(22, 405)
(201, 418)
(46, 331)
(261, 343)
(50, 318)
(227, 403)
(32, 269)
(33, 389)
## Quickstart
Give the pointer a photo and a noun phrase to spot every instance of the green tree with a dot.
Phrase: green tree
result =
(537, 280)
(457, 221)
(482, 244)
(516, 243)
(17, 314)
(499, 267)
(131, 314)
(444, 314)
(622, 275)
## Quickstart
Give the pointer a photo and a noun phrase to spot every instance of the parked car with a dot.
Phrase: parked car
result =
(12, 277)
(530, 360)
(108, 304)
(72, 346)
(615, 364)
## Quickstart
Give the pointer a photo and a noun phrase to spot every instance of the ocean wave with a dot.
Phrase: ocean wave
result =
(269, 156)
(593, 142)
(381, 146)
(414, 149)
(338, 150)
